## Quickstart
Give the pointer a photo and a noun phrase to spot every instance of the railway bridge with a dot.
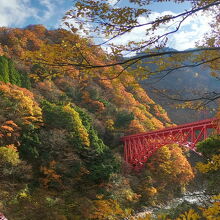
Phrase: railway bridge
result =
(138, 148)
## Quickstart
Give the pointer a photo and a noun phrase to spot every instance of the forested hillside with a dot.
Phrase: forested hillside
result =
(185, 83)
(60, 129)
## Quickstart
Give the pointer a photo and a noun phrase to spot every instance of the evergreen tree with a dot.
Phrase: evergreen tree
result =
(4, 71)
(9, 74)
(14, 75)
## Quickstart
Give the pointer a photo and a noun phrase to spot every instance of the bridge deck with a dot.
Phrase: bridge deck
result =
(138, 148)
(197, 124)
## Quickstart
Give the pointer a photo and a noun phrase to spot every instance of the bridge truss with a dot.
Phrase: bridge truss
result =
(140, 147)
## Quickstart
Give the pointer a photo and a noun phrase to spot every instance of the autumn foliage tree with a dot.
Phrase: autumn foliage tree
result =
(170, 166)
(210, 168)
(114, 21)
(67, 128)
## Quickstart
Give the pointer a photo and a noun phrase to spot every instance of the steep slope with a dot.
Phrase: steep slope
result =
(100, 96)
(185, 83)
(62, 131)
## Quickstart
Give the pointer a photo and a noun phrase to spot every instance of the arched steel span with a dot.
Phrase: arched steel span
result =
(138, 148)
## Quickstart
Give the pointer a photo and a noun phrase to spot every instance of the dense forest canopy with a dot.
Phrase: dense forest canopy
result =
(115, 19)
(111, 20)
(65, 103)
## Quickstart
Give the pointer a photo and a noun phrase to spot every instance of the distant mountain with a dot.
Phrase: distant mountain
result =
(190, 82)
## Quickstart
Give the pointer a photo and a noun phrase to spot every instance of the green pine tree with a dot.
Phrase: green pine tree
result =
(14, 75)
(4, 70)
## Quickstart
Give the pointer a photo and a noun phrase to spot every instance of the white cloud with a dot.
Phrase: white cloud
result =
(112, 2)
(191, 31)
(15, 12)
(49, 9)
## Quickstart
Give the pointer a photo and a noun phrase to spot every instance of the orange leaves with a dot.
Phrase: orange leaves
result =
(11, 146)
(50, 174)
(9, 133)
(7, 128)
(213, 211)
(20, 105)
(128, 94)
(170, 165)
(11, 123)
(135, 126)
(17, 41)
(106, 84)
(142, 95)
(59, 51)
(99, 105)
(93, 105)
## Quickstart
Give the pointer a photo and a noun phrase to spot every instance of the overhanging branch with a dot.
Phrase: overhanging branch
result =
(127, 61)
(170, 70)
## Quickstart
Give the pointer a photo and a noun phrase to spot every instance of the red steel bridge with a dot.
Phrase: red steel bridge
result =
(140, 147)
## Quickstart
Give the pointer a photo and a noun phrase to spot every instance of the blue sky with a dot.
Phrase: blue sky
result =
(159, 7)
(20, 13)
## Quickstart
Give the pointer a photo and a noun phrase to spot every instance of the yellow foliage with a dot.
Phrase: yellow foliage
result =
(9, 154)
(99, 196)
(83, 134)
(210, 213)
(216, 197)
(109, 124)
(151, 191)
(212, 165)
(169, 165)
(23, 195)
(190, 215)
(147, 217)
(213, 211)
(108, 210)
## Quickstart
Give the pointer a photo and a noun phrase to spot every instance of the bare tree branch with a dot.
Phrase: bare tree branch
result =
(127, 61)
(123, 70)
(206, 97)
(168, 71)
(157, 21)
(185, 15)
